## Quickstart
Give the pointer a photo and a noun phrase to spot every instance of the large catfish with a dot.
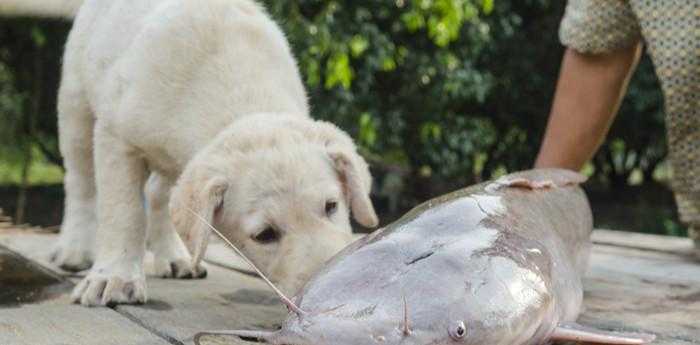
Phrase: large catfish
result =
(493, 264)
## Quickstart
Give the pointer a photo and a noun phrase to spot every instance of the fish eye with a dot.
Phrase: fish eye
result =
(268, 235)
(331, 207)
(458, 331)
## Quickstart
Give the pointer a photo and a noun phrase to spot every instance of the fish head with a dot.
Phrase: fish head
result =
(495, 302)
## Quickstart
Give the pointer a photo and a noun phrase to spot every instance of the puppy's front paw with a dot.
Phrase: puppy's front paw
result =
(108, 289)
(171, 259)
(178, 269)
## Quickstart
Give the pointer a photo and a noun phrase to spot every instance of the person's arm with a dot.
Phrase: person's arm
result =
(588, 95)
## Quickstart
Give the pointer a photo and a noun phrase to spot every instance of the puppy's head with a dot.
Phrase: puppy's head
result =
(281, 189)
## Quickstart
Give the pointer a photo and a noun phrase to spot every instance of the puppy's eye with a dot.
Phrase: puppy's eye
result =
(267, 236)
(331, 207)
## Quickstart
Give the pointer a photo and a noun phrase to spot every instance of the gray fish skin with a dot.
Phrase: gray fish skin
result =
(498, 263)
(505, 261)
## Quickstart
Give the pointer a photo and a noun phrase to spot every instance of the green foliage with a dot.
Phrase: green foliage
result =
(11, 101)
(397, 75)
(30, 56)
(453, 91)
(41, 171)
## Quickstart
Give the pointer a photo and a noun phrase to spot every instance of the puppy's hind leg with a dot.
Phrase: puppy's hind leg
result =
(74, 249)
(171, 258)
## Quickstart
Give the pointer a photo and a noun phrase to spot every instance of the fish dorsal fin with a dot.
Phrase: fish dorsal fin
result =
(406, 327)
(288, 302)
(570, 331)
(537, 179)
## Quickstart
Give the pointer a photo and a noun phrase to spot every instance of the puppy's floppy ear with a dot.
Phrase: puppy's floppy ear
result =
(357, 182)
(198, 190)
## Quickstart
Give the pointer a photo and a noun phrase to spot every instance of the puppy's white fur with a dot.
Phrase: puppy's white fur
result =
(206, 95)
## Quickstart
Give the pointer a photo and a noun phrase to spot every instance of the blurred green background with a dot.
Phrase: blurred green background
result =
(439, 94)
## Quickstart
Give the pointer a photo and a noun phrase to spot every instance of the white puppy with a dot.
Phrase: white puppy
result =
(206, 96)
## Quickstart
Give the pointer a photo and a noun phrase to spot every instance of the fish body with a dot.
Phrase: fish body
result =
(499, 263)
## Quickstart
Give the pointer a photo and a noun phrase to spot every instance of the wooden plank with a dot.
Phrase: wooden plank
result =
(616, 305)
(669, 244)
(646, 291)
(64, 323)
(35, 310)
(35, 245)
(654, 266)
(177, 309)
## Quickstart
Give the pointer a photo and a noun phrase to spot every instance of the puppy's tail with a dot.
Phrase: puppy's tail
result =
(40, 8)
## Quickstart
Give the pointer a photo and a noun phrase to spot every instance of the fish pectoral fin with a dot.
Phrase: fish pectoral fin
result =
(570, 331)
